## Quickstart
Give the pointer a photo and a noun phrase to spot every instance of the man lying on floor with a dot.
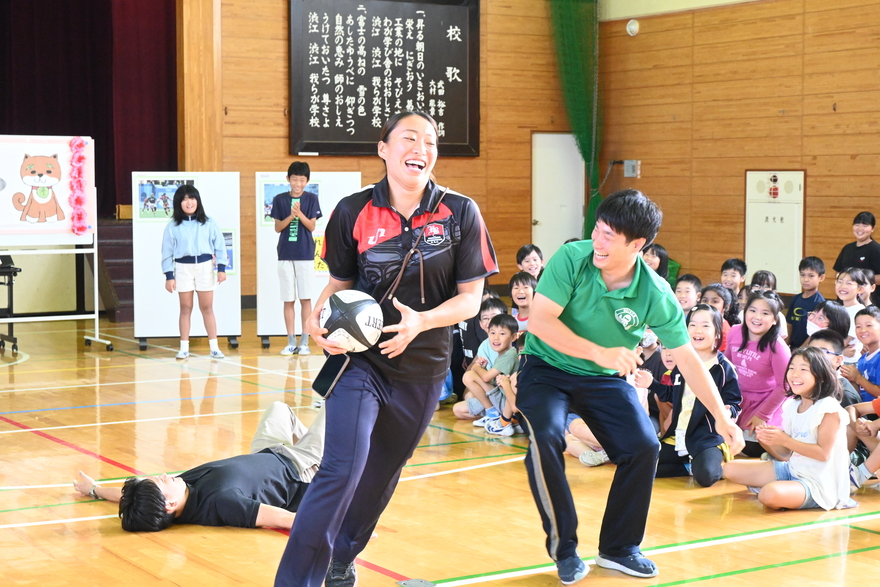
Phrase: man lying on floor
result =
(261, 489)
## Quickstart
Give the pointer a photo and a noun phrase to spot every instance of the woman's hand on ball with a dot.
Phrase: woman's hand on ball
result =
(313, 325)
(410, 325)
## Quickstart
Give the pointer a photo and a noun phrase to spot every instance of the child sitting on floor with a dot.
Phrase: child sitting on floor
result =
(813, 466)
(864, 430)
(495, 356)
(691, 446)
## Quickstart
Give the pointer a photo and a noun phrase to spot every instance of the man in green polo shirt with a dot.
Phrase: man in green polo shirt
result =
(592, 306)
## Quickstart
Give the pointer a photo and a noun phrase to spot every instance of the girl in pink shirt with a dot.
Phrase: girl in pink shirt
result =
(760, 358)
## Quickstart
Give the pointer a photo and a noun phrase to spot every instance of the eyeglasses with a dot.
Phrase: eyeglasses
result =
(817, 317)
(832, 353)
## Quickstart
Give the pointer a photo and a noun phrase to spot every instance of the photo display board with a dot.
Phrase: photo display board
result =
(330, 187)
(156, 311)
(354, 63)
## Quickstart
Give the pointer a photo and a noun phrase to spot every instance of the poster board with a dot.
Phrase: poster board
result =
(156, 311)
(38, 176)
(330, 187)
(354, 63)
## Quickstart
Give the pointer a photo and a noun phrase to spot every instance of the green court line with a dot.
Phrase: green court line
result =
(863, 529)
(467, 459)
(446, 443)
(498, 440)
(804, 525)
(811, 559)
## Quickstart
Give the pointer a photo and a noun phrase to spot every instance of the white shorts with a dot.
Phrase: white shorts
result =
(297, 280)
(195, 276)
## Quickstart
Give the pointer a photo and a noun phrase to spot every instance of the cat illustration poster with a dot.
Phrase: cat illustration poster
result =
(49, 195)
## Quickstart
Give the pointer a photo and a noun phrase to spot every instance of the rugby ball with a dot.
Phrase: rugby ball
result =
(353, 320)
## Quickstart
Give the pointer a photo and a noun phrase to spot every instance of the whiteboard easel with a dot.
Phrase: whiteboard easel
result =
(16, 154)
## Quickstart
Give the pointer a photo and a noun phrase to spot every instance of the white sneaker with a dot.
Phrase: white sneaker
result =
(857, 476)
(495, 426)
(182, 355)
(217, 355)
(289, 350)
(304, 350)
(480, 423)
(593, 458)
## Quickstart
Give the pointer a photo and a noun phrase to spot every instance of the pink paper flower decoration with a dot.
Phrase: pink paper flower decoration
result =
(77, 199)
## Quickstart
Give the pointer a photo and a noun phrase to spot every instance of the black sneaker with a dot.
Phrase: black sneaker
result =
(341, 574)
(635, 564)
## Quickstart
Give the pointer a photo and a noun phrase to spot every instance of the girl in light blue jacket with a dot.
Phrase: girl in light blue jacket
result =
(191, 246)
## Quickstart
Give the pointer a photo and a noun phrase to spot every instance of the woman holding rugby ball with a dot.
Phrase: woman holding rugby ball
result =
(423, 251)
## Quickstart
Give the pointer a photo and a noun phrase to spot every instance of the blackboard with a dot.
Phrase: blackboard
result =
(355, 63)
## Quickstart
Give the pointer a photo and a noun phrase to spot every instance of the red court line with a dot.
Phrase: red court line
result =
(360, 561)
(84, 451)
(381, 570)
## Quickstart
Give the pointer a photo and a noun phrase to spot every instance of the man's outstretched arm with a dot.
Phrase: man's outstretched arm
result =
(85, 484)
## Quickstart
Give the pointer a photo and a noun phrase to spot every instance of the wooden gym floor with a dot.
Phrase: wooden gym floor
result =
(462, 514)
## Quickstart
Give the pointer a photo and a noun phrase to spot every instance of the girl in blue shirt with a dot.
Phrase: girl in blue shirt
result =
(190, 247)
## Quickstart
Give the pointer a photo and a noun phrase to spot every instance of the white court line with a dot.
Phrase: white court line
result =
(192, 378)
(47, 522)
(224, 361)
(18, 430)
(68, 520)
(56, 485)
(22, 357)
(57, 387)
(758, 534)
(472, 467)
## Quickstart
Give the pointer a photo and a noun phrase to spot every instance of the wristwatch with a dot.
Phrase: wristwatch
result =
(92, 493)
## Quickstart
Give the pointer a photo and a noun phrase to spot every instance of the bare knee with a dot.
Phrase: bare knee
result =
(461, 411)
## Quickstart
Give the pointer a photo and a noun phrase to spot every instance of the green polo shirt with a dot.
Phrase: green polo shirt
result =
(608, 318)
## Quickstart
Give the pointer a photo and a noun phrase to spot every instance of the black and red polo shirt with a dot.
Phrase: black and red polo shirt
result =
(366, 241)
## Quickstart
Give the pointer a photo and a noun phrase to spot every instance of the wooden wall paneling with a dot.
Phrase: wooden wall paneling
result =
(614, 114)
(824, 6)
(780, 46)
(707, 167)
(613, 81)
(857, 59)
(868, 143)
(837, 123)
(199, 86)
(647, 40)
(752, 69)
(844, 18)
(733, 109)
(750, 30)
(746, 89)
(643, 60)
(663, 22)
(649, 131)
(766, 128)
